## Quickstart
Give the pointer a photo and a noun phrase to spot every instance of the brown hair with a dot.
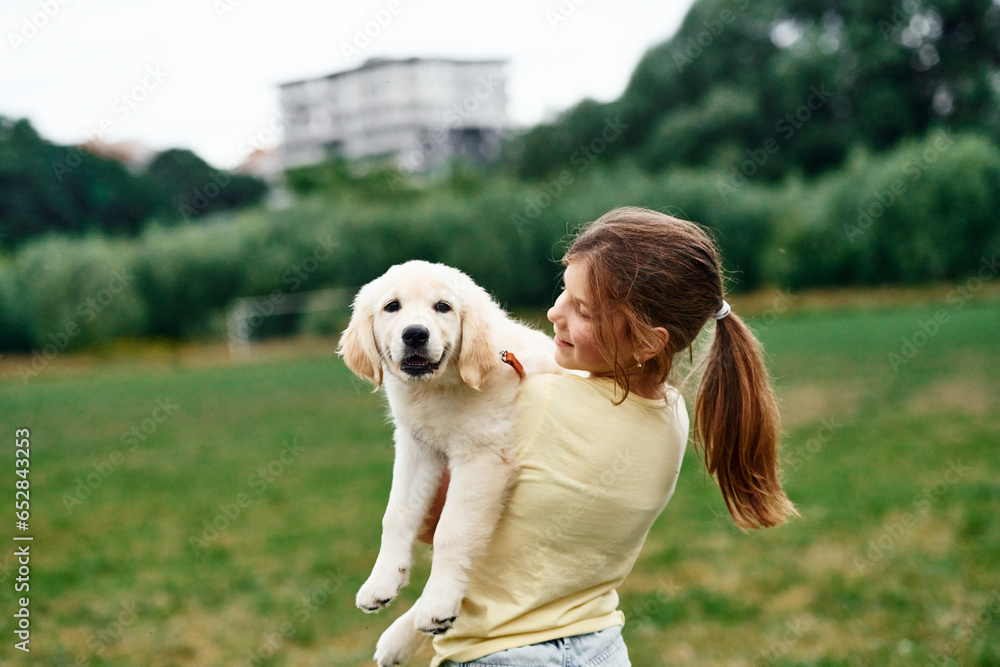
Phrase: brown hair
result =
(647, 270)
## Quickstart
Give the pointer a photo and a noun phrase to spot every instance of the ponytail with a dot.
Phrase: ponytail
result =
(737, 421)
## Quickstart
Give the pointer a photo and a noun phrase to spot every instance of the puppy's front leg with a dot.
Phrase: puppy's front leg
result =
(476, 494)
(416, 473)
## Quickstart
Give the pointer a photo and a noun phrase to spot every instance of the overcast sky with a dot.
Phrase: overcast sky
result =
(203, 74)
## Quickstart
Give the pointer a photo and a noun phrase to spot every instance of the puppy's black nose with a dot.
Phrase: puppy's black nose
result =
(415, 335)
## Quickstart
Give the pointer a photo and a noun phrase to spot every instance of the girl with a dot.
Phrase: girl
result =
(600, 455)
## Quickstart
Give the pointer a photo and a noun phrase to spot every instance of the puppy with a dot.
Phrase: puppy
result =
(434, 339)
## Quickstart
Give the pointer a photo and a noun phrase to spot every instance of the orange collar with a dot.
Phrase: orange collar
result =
(509, 358)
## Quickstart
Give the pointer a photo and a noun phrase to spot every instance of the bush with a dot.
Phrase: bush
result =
(741, 217)
(188, 273)
(924, 212)
(72, 293)
(15, 331)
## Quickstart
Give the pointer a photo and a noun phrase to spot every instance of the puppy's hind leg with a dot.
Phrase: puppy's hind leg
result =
(399, 643)
(476, 494)
(415, 477)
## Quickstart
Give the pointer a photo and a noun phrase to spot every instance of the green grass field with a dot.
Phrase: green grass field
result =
(195, 511)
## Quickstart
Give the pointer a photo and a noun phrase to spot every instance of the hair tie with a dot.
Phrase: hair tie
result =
(724, 311)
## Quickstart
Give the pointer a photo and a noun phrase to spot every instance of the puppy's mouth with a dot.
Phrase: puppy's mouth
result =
(416, 365)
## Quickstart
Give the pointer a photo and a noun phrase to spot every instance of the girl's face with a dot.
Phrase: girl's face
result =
(571, 317)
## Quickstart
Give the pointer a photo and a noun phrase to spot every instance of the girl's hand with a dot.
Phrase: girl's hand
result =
(426, 534)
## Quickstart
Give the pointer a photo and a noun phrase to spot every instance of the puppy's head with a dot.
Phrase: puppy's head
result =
(417, 320)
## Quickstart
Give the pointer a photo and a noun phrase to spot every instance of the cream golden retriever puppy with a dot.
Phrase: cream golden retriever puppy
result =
(433, 338)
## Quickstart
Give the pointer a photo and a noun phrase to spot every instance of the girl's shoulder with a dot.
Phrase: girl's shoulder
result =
(578, 391)
(541, 385)
(543, 394)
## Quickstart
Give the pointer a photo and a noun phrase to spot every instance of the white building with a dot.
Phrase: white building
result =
(418, 112)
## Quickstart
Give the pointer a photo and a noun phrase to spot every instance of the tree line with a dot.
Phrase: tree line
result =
(47, 188)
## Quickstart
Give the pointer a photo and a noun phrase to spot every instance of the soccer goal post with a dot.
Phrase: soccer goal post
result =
(245, 315)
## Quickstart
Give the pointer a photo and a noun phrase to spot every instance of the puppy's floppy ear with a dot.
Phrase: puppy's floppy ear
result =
(357, 344)
(478, 357)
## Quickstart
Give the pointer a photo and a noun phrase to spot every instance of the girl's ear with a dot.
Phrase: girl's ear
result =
(662, 337)
(358, 347)
(478, 357)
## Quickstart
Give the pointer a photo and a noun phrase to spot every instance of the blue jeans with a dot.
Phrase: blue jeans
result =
(597, 649)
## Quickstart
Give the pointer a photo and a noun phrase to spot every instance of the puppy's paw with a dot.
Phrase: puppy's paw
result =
(381, 588)
(435, 616)
(398, 644)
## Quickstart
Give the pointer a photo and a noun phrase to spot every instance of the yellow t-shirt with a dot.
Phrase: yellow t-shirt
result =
(593, 478)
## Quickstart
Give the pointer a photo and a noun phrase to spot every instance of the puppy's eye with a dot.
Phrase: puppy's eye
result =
(392, 306)
(442, 307)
